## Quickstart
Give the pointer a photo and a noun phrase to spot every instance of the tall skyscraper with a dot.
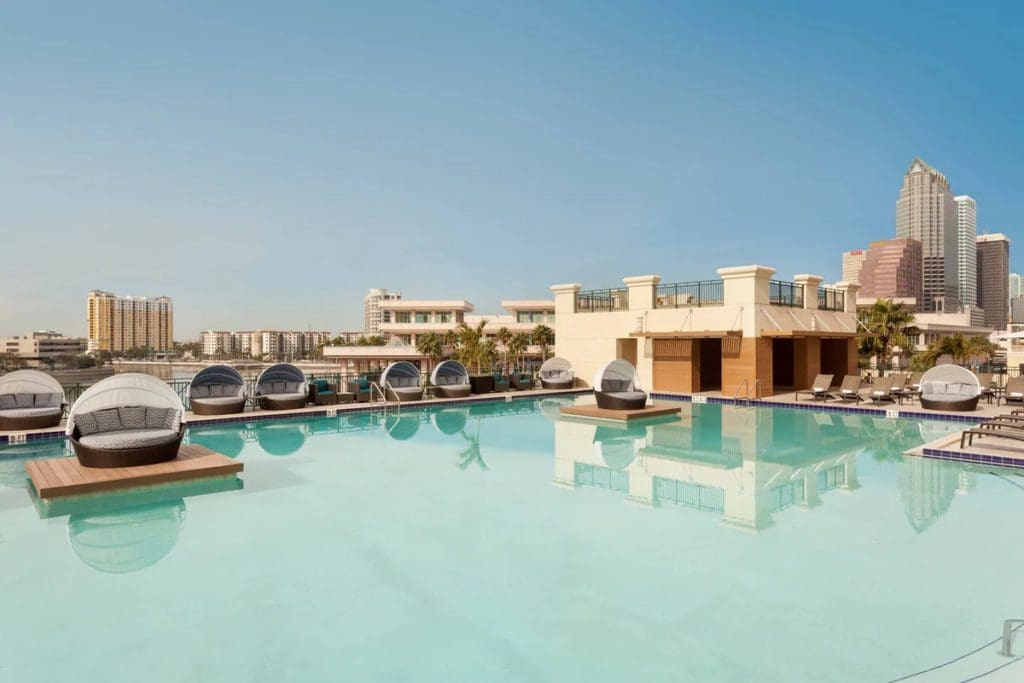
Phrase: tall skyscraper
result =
(1016, 285)
(926, 212)
(994, 278)
(119, 323)
(371, 308)
(967, 249)
(892, 270)
(852, 261)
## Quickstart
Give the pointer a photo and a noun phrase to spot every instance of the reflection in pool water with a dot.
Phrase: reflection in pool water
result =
(127, 540)
(285, 438)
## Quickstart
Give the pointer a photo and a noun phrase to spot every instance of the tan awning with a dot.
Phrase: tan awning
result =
(806, 334)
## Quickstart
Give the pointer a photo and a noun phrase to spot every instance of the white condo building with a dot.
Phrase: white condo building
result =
(1016, 285)
(966, 249)
(372, 311)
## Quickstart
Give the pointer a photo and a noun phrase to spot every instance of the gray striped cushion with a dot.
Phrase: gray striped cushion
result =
(7, 402)
(132, 417)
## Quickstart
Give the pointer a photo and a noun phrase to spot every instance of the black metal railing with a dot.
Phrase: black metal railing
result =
(831, 299)
(782, 293)
(682, 294)
(602, 300)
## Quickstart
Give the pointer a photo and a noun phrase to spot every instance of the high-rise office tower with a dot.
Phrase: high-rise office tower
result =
(1016, 285)
(852, 262)
(892, 270)
(926, 212)
(119, 323)
(967, 249)
(994, 278)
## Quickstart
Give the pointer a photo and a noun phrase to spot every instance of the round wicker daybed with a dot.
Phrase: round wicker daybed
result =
(282, 387)
(617, 387)
(950, 387)
(401, 381)
(556, 373)
(450, 379)
(30, 399)
(126, 420)
(217, 390)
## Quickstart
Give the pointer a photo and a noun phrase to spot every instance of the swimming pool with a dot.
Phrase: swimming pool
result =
(498, 542)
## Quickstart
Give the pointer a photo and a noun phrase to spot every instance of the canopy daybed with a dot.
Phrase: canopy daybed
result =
(617, 387)
(281, 387)
(450, 379)
(30, 399)
(950, 387)
(556, 373)
(126, 420)
(401, 381)
(217, 390)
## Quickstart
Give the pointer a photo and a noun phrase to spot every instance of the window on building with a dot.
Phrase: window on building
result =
(403, 317)
(423, 317)
(443, 316)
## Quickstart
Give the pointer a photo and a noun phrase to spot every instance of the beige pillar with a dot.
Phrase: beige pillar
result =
(642, 290)
(745, 285)
(849, 290)
(565, 298)
(810, 285)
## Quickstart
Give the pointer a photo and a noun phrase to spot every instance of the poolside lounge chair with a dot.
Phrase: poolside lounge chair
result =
(987, 387)
(900, 387)
(401, 382)
(450, 379)
(1006, 429)
(950, 387)
(881, 390)
(360, 388)
(617, 387)
(521, 381)
(556, 373)
(501, 382)
(1014, 390)
(30, 399)
(323, 392)
(217, 390)
(818, 389)
(126, 420)
(281, 387)
(849, 390)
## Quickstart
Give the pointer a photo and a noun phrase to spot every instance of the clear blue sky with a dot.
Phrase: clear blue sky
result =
(266, 163)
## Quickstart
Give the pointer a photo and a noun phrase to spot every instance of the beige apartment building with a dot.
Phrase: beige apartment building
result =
(119, 323)
(891, 270)
(35, 347)
(404, 321)
(270, 344)
(745, 332)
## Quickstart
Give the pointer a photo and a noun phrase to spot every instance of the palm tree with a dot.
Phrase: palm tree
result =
(504, 337)
(517, 345)
(470, 350)
(451, 338)
(543, 336)
(888, 325)
(430, 345)
(963, 349)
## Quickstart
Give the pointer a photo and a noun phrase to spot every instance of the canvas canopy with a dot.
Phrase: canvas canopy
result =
(400, 374)
(555, 367)
(222, 375)
(282, 372)
(128, 389)
(950, 380)
(618, 375)
(449, 372)
(30, 382)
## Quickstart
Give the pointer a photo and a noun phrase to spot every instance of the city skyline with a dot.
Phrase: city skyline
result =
(618, 136)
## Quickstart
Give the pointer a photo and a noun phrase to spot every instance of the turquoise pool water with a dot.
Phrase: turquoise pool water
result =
(493, 542)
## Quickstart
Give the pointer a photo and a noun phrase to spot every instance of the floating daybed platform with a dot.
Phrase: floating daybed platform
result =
(59, 477)
(594, 413)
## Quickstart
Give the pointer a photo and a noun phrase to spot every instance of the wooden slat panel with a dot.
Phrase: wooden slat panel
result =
(58, 477)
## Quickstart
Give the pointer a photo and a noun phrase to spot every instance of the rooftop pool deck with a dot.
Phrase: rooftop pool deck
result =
(497, 540)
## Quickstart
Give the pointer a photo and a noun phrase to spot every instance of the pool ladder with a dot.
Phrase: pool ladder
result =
(381, 391)
(745, 388)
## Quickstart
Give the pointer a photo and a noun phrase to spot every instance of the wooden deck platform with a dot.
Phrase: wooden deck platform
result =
(59, 477)
(594, 413)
